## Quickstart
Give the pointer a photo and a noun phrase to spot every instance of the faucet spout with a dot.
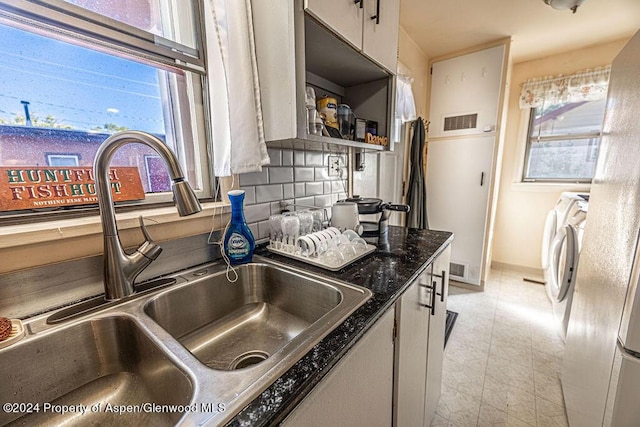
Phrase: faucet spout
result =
(121, 269)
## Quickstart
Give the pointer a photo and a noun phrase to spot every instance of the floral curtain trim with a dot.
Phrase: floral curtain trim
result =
(588, 85)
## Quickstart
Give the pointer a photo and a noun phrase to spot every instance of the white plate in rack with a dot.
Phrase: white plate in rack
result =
(314, 260)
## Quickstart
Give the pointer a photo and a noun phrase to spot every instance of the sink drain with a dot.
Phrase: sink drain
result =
(247, 359)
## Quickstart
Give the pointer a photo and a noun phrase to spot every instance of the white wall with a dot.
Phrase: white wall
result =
(522, 208)
(417, 63)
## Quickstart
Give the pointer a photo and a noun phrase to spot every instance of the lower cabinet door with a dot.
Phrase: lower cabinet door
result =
(440, 280)
(412, 318)
(359, 389)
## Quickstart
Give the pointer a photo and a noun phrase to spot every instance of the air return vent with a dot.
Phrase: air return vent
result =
(458, 270)
(467, 121)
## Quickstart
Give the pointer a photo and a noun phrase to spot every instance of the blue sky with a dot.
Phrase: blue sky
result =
(78, 86)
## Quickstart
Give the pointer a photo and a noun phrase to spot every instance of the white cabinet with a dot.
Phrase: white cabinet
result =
(369, 25)
(440, 281)
(343, 16)
(359, 389)
(466, 86)
(420, 319)
(295, 49)
(412, 319)
(380, 32)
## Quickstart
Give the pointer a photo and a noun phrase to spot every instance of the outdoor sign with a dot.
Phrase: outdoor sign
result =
(29, 187)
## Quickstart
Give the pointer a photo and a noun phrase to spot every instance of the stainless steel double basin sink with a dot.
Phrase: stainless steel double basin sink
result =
(192, 353)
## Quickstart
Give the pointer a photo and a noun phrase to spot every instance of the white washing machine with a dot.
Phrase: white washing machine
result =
(563, 265)
(556, 218)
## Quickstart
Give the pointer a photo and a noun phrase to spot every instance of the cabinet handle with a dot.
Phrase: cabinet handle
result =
(377, 15)
(432, 298)
(359, 1)
(442, 278)
(481, 179)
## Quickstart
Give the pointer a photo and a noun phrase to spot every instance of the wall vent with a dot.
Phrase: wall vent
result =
(468, 121)
(458, 270)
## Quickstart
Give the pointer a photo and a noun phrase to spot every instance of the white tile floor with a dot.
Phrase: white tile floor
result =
(502, 362)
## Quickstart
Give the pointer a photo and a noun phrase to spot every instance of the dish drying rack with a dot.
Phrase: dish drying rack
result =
(291, 251)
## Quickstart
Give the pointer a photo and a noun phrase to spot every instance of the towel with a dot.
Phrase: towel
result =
(417, 189)
(234, 92)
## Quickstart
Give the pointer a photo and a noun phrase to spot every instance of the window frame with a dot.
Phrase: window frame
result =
(73, 24)
(530, 140)
(50, 156)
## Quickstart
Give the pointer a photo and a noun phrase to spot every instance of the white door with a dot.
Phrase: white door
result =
(343, 17)
(458, 180)
(466, 85)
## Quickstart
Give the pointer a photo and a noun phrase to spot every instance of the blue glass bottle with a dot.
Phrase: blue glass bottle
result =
(239, 243)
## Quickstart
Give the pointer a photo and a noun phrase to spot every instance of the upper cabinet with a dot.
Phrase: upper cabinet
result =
(334, 47)
(344, 17)
(465, 93)
(369, 25)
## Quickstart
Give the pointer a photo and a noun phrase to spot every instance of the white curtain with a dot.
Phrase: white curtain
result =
(234, 92)
(588, 85)
(405, 103)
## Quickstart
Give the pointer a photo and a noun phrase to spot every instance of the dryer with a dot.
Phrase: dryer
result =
(556, 218)
(563, 265)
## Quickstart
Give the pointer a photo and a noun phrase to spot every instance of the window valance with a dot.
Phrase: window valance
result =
(588, 85)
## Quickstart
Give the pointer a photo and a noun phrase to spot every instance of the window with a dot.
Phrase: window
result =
(76, 71)
(563, 140)
(565, 124)
(63, 159)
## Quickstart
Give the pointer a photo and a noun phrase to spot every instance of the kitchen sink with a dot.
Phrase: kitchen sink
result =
(203, 345)
(107, 360)
(234, 325)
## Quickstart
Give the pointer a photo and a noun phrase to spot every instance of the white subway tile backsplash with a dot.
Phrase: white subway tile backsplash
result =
(304, 202)
(275, 155)
(287, 158)
(280, 175)
(255, 178)
(304, 174)
(337, 186)
(249, 195)
(324, 201)
(314, 188)
(321, 174)
(314, 158)
(255, 213)
(263, 230)
(287, 191)
(275, 208)
(294, 176)
(254, 230)
(269, 193)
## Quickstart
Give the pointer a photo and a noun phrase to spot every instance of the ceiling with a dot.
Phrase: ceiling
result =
(440, 27)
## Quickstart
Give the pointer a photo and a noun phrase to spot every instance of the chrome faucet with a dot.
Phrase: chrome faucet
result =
(120, 269)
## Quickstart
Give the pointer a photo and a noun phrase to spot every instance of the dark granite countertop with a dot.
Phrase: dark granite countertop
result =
(387, 272)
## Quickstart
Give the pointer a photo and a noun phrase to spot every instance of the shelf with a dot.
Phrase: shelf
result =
(323, 143)
(335, 60)
(323, 60)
